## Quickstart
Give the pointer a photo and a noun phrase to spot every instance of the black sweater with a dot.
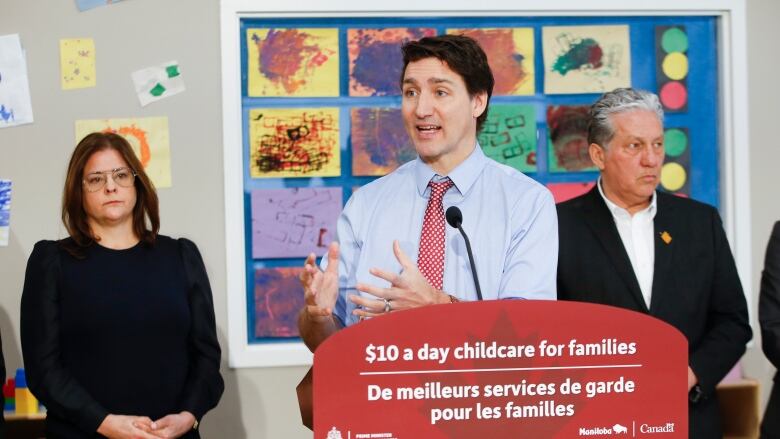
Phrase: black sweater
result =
(127, 332)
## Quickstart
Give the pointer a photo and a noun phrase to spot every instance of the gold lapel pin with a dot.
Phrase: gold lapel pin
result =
(666, 237)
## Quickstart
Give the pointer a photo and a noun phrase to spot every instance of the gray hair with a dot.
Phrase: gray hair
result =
(621, 100)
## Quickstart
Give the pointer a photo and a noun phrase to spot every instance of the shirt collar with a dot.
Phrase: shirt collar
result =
(464, 175)
(616, 210)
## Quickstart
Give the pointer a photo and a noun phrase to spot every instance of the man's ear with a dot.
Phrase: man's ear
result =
(478, 104)
(597, 155)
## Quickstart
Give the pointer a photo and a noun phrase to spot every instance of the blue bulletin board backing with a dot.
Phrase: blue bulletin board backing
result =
(700, 119)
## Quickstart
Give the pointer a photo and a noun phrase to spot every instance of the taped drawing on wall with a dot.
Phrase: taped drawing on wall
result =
(510, 53)
(586, 59)
(5, 212)
(379, 141)
(509, 136)
(15, 102)
(77, 63)
(292, 62)
(567, 133)
(158, 82)
(294, 142)
(278, 299)
(149, 138)
(375, 61)
(293, 222)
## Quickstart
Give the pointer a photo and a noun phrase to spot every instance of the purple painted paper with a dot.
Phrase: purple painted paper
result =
(380, 143)
(291, 223)
(278, 298)
(375, 61)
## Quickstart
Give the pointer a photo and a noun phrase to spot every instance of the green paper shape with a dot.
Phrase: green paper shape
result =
(675, 142)
(674, 39)
(157, 90)
(172, 71)
(509, 136)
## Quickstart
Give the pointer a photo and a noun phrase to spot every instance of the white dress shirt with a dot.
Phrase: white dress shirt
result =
(636, 232)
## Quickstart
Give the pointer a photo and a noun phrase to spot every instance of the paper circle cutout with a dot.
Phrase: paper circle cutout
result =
(673, 176)
(674, 95)
(675, 142)
(674, 40)
(675, 66)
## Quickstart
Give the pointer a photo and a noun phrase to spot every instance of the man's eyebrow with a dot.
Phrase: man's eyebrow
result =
(431, 80)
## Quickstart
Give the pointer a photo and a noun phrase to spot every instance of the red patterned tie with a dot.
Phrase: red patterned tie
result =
(430, 260)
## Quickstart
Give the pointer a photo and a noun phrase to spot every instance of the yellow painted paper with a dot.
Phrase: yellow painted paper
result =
(586, 59)
(510, 53)
(293, 62)
(149, 138)
(294, 142)
(77, 63)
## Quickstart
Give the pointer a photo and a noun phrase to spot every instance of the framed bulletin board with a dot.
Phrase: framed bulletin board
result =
(311, 112)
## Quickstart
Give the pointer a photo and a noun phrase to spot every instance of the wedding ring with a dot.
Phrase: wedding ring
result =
(387, 305)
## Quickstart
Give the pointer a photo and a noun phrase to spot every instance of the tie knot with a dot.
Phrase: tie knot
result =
(438, 189)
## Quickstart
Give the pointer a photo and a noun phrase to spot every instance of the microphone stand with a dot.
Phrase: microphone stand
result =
(471, 261)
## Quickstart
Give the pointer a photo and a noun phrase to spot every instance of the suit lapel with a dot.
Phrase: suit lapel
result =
(600, 220)
(664, 244)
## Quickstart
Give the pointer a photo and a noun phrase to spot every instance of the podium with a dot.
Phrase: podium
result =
(541, 369)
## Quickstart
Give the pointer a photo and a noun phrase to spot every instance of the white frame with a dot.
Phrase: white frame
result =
(734, 158)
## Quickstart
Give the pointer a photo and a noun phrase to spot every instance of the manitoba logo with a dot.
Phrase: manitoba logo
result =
(604, 431)
(334, 434)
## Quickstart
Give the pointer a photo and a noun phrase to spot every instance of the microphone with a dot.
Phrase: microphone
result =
(455, 219)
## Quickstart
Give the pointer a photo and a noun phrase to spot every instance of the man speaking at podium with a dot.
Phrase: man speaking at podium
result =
(394, 248)
(628, 245)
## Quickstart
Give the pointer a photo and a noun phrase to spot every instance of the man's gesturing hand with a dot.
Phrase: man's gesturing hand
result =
(408, 289)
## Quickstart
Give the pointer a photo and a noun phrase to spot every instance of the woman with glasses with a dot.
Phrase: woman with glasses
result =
(117, 322)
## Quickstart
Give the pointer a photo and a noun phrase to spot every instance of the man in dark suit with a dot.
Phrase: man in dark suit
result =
(627, 245)
(769, 317)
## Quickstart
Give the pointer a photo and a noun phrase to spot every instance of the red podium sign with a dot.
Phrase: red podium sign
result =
(511, 368)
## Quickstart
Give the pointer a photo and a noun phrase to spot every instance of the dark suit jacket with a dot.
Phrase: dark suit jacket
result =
(769, 317)
(695, 284)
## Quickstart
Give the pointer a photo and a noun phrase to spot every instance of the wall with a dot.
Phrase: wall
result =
(258, 403)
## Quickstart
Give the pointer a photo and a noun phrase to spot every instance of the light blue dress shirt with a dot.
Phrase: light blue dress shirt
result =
(509, 218)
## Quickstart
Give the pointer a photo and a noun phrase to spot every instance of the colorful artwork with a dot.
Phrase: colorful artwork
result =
(510, 53)
(293, 62)
(15, 103)
(375, 61)
(158, 82)
(278, 299)
(379, 141)
(566, 191)
(586, 59)
(5, 211)
(291, 223)
(671, 52)
(294, 142)
(509, 136)
(90, 4)
(676, 171)
(149, 138)
(77, 63)
(567, 133)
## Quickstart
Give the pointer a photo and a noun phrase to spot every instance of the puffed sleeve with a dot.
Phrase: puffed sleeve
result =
(769, 299)
(204, 384)
(48, 380)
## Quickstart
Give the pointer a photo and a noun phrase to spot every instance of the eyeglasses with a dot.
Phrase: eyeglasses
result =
(96, 181)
